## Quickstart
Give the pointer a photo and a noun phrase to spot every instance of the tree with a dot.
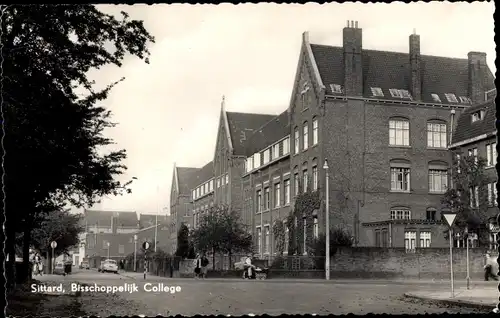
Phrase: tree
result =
(185, 248)
(220, 231)
(470, 205)
(52, 118)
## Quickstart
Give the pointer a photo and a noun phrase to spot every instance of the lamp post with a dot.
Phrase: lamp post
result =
(450, 219)
(135, 252)
(327, 223)
(108, 244)
(467, 237)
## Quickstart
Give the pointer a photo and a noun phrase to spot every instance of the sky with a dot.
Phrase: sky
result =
(168, 111)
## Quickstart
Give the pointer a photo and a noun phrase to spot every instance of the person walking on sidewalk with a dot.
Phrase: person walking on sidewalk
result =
(197, 266)
(488, 268)
(204, 265)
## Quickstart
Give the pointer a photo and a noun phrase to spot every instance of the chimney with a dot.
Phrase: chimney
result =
(353, 67)
(415, 67)
(477, 74)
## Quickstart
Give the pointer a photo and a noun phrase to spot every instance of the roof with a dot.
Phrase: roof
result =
(185, 178)
(386, 70)
(204, 174)
(103, 218)
(272, 131)
(241, 125)
(466, 129)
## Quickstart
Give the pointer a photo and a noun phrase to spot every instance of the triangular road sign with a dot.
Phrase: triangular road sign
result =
(450, 218)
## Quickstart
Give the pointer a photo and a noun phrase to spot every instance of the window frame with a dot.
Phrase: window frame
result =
(277, 194)
(435, 127)
(305, 136)
(403, 131)
(296, 140)
(395, 172)
(315, 129)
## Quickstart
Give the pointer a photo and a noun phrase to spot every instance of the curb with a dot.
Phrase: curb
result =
(450, 302)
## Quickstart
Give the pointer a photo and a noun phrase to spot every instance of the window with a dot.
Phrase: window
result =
(491, 154)
(435, 97)
(399, 133)
(267, 156)
(303, 95)
(474, 197)
(121, 249)
(400, 93)
(477, 116)
(259, 239)
(457, 158)
(202, 190)
(296, 185)
(493, 241)
(256, 160)
(211, 185)
(227, 178)
(451, 98)
(315, 178)
(385, 238)
(266, 198)
(315, 131)
(431, 215)
(194, 194)
(249, 161)
(286, 191)
(425, 239)
(206, 187)
(305, 180)
(277, 199)
(297, 140)
(259, 200)
(287, 236)
(336, 88)
(286, 146)
(377, 92)
(465, 100)
(315, 228)
(199, 192)
(266, 239)
(410, 239)
(276, 151)
(438, 181)
(400, 179)
(305, 130)
(400, 214)
(436, 135)
(492, 194)
(377, 238)
(473, 152)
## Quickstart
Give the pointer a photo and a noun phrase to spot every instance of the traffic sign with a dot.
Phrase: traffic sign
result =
(53, 244)
(450, 218)
(146, 245)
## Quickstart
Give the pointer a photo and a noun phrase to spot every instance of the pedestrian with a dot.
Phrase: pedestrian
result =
(197, 266)
(488, 268)
(249, 268)
(204, 266)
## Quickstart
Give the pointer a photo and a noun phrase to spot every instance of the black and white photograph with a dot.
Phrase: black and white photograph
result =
(249, 159)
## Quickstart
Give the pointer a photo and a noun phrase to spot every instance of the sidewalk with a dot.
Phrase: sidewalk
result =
(479, 297)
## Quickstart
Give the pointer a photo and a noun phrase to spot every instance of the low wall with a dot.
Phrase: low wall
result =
(423, 263)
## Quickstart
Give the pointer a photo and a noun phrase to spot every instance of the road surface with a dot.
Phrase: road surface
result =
(238, 297)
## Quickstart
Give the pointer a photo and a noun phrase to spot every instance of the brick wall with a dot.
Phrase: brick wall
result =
(396, 263)
(96, 244)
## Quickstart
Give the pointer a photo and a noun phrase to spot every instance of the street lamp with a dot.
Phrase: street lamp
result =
(107, 243)
(327, 224)
(135, 252)
(450, 219)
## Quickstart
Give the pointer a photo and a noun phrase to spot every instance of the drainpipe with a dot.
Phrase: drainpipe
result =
(452, 124)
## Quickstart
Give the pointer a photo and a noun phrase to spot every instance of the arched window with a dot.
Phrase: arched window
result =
(314, 174)
(400, 175)
(296, 180)
(438, 177)
(315, 131)
(305, 130)
(296, 140)
(430, 214)
(305, 177)
(436, 133)
(399, 131)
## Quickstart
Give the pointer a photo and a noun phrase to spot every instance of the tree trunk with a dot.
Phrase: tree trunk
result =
(213, 258)
(10, 270)
(230, 259)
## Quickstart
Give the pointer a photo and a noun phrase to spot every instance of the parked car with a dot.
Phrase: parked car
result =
(109, 265)
(59, 269)
(84, 265)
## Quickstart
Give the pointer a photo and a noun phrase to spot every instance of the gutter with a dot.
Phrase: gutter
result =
(472, 140)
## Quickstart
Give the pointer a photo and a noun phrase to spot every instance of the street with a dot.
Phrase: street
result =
(237, 297)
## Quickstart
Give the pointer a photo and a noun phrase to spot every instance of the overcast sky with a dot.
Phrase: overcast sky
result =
(168, 111)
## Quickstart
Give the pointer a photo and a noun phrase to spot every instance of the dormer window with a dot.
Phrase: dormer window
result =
(465, 100)
(377, 92)
(477, 116)
(400, 93)
(451, 98)
(435, 97)
(336, 88)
